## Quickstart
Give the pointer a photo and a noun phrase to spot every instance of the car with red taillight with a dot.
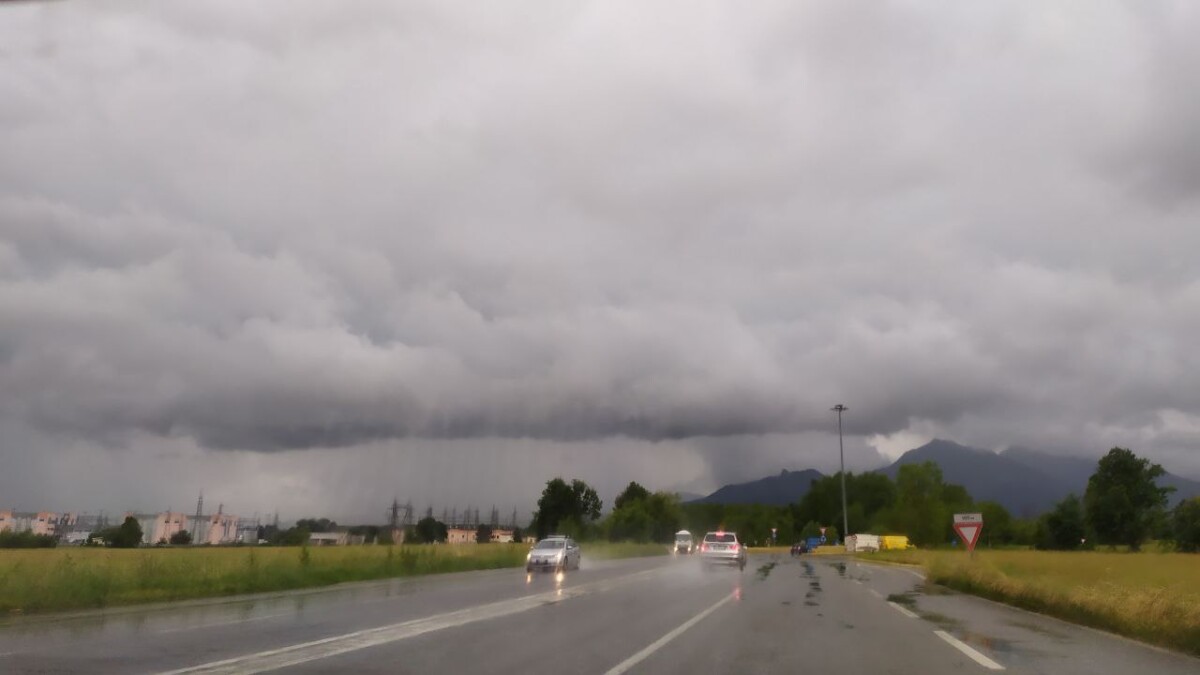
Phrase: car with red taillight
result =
(723, 548)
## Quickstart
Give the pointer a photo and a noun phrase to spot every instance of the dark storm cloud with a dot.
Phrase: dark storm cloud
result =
(317, 227)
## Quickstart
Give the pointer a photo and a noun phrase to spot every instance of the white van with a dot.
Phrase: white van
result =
(683, 542)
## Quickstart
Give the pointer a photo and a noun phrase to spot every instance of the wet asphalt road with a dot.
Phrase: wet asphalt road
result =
(661, 615)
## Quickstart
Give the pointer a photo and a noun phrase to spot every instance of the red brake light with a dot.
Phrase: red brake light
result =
(734, 547)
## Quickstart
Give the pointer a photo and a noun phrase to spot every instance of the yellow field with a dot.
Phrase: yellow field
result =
(74, 578)
(1154, 597)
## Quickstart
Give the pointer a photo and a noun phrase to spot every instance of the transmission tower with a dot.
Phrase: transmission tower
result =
(394, 514)
(494, 521)
(199, 514)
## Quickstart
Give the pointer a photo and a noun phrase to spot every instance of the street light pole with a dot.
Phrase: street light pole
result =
(842, 457)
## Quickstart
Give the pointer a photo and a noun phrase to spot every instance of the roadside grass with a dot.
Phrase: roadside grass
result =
(44, 580)
(1153, 597)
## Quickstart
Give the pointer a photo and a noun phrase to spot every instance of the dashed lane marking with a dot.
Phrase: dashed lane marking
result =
(903, 610)
(637, 658)
(969, 651)
(305, 652)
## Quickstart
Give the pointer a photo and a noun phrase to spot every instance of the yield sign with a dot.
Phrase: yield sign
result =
(969, 526)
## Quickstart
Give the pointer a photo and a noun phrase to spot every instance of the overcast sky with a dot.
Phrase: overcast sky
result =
(306, 256)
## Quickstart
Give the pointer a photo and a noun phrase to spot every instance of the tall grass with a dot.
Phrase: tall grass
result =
(81, 578)
(1153, 597)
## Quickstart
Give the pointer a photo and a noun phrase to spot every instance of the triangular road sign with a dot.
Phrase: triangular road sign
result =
(969, 533)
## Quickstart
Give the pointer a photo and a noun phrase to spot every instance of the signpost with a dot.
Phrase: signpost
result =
(969, 526)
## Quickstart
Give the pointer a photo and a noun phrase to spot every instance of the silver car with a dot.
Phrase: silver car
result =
(723, 548)
(553, 554)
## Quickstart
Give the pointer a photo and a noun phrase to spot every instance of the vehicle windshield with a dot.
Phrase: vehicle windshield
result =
(300, 294)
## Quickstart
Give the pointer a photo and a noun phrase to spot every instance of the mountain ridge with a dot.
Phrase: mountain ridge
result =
(1027, 482)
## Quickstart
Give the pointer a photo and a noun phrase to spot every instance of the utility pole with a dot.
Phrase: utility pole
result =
(842, 458)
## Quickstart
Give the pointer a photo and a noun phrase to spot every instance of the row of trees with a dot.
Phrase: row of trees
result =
(1123, 506)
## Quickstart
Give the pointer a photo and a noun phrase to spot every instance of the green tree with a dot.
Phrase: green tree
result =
(1063, 528)
(811, 529)
(1185, 525)
(567, 508)
(429, 530)
(632, 493)
(1122, 501)
(997, 524)
(518, 535)
(126, 535)
(317, 524)
(483, 534)
(181, 538)
(920, 511)
(867, 495)
(293, 536)
(26, 539)
(652, 517)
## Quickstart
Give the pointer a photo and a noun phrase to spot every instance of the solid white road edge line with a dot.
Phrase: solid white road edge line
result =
(897, 568)
(304, 652)
(875, 593)
(968, 650)
(637, 658)
(903, 610)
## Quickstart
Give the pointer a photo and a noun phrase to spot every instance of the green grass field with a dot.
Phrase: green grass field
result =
(1153, 597)
(82, 578)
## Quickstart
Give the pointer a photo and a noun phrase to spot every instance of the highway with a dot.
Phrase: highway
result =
(651, 615)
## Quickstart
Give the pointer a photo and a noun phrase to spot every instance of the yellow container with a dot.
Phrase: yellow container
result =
(893, 542)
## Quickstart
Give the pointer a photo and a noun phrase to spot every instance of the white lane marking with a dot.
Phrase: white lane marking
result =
(895, 567)
(304, 652)
(969, 651)
(637, 658)
(215, 624)
(857, 581)
(903, 610)
(875, 593)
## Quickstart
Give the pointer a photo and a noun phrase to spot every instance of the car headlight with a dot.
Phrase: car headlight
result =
(528, 556)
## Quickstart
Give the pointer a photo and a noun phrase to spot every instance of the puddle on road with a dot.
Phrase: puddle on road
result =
(765, 570)
(840, 567)
(987, 642)
(1040, 630)
(932, 589)
(907, 599)
(940, 619)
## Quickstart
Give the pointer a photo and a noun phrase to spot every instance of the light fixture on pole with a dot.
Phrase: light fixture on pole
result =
(842, 457)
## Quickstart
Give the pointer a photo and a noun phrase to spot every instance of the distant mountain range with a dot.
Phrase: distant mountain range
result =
(780, 490)
(1027, 482)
